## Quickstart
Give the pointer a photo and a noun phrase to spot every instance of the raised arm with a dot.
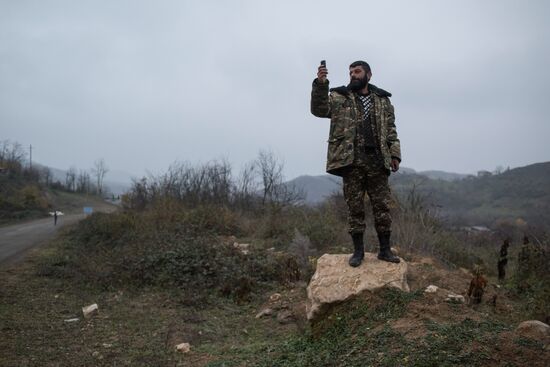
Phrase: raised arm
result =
(320, 100)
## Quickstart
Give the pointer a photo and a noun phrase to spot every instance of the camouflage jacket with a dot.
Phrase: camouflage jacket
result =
(345, 111)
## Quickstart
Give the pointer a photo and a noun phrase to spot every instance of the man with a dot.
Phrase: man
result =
(503, 260)
(477, 285)
(362, 148)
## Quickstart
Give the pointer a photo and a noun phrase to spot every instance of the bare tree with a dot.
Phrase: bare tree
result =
(46, 175)
(271, 173)
(83, 183)
(99, 170)
(274, 189)
(70, 179)
(246, 186)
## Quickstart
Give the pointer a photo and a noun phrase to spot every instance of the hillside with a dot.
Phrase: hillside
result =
(235, 309)
(227, 274)
(23, 198)
(517, 193)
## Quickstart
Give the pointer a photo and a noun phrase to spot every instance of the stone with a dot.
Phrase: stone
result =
(243, 247)
(455, 298)
(335, 281)
(90, 310)
(264, 312)
(285, 317)
(431, 289)
(534, 329)
(183, 347)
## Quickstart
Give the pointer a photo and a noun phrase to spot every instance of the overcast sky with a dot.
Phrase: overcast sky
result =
(145, 83)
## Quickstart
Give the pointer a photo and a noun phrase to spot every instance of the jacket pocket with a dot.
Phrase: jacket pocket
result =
(336, 150)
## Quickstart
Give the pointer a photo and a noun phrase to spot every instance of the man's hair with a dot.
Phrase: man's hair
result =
(363, 64)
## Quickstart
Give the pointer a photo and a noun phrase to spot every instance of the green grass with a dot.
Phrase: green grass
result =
(359, 335)
(162, 277)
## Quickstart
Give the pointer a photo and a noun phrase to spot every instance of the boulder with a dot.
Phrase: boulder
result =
(335, 281)
(534, 329)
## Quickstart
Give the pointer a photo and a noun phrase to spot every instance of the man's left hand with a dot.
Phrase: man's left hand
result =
(394, 165)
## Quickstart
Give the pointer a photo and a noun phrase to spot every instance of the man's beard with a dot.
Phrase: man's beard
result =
(358, 84)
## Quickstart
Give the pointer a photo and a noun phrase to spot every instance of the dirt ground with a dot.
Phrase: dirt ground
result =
(142, 328)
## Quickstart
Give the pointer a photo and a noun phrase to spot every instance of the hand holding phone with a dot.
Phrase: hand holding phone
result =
(322, 72)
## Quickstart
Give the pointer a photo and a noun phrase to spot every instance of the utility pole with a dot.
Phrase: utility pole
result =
(30, 159)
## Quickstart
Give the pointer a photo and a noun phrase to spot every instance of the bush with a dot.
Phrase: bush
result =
(531, 282)
(130, 249)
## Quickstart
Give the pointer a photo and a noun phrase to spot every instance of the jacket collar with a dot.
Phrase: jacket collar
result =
(345, 91)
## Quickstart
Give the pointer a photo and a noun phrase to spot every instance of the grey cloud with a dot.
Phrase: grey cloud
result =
(142, 84)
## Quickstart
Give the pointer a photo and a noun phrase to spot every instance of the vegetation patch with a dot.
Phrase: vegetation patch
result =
(130, 249)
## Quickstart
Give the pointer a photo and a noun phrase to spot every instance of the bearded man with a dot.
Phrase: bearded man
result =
(363, 148)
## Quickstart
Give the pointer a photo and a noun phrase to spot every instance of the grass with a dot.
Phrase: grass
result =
(133, 328)
(139, 326)
(161, 278)
(349, 343)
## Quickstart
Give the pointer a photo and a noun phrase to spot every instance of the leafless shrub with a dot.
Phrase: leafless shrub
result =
(414, 220)
(418, 229)
(274, 191)
(212, 183)
(12, 157)
(245, 194)
(302, 249)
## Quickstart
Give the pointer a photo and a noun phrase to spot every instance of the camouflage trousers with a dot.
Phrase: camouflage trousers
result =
(370, 177)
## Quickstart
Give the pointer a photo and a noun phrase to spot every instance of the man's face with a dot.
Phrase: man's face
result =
(358, 78)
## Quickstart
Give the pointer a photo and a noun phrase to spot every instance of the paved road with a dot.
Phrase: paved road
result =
(17, 239)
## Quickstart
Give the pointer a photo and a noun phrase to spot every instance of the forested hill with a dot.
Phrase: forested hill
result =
(522, 192)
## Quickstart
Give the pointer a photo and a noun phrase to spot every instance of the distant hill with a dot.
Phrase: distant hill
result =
(317, 188)
(442, 175)
(522, 192)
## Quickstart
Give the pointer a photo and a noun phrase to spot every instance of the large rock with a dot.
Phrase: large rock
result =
(534, 329)
(335, 281)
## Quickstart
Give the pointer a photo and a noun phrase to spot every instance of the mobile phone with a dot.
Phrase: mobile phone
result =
(323, 63)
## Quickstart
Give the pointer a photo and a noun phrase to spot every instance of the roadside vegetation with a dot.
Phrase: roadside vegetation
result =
(196, 253)
(30, 191)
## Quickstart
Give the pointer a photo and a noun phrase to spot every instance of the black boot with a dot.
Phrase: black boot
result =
(385, 250)
(358, 250)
